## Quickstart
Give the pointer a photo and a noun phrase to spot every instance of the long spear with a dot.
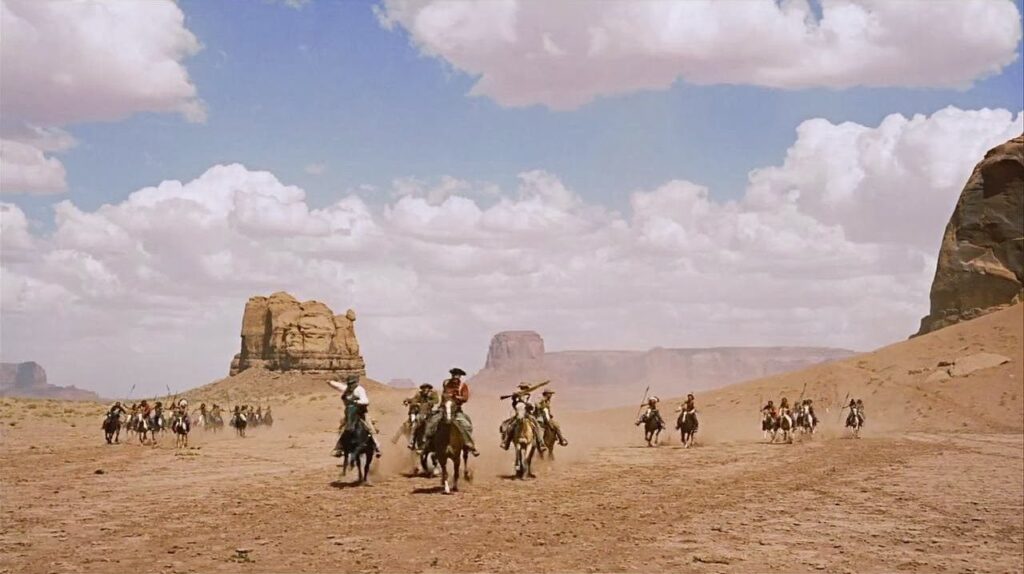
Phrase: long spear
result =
(130, 391)
(840, 417)
(640, 408)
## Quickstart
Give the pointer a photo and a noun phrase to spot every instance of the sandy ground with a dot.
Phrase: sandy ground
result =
(936, 484)
(921, 502)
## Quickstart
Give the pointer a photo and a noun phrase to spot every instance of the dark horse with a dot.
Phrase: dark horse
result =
(181, 427)
(653, 425)
(449, 444)
(356, 445)
(112, 427)
(687, 425)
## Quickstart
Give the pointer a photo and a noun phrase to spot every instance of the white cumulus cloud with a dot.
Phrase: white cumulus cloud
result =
(71, 62)
(565, 54)
(820, 251)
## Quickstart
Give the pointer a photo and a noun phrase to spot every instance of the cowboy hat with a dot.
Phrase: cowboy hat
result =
(457, 372)
(426, 386)
(548, 392)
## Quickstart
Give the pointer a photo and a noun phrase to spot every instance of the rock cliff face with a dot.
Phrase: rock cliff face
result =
(981, 260)
(29, 380)
(595, 379)
(514, 349)
(281, 334)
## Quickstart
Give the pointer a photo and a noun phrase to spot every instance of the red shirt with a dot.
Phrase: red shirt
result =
(457, 390)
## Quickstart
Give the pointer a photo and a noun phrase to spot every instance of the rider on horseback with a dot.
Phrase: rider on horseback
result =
(453, 388)
(357, 404)
(691, 408)
(117, 410)
(547, 418)
(426, 401)
(651, 411)
(522, 395)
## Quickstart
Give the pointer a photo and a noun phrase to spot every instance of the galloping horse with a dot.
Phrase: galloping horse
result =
(525, 443)
(653, 425)
(239, 422)
(687, 425)
(449, 444)
(855, 421)
(356, 446)
(805, 421)
(112, 427)
(140, 424)
(156, 426)
(768, 425)
(784, 423)
(214, 422)
(180, 426)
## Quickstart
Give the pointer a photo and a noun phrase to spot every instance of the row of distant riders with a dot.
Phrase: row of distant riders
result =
(148, 421)
(780, 422)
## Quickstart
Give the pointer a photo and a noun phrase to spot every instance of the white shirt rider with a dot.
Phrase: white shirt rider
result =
(357, 393)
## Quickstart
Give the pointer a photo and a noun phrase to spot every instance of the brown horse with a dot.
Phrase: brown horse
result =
(525, 442)
(448, 444)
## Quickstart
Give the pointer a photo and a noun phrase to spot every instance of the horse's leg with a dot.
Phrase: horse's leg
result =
(443, 462)
(456, 470)
(530, 449)
(466, 473)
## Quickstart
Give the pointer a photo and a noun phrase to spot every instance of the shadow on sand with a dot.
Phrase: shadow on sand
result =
(348, 484)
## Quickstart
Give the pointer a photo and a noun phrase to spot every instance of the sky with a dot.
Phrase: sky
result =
(613, 175)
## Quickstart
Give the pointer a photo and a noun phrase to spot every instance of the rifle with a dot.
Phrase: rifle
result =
(524, 392)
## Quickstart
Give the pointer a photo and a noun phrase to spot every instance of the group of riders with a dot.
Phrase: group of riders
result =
(686, 420)
(533, 419)
(148, 420)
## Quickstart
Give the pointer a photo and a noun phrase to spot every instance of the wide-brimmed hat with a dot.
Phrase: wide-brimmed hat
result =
(426, 386)
(352, 379)
(653, 400)
(548, 392)
(524, 386)
(457, 372)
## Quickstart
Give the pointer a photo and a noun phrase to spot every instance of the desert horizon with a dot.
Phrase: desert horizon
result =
(423, 286)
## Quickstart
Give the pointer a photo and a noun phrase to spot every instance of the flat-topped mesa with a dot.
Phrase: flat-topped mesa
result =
(981, 260)
(515, 349)
(281, 334)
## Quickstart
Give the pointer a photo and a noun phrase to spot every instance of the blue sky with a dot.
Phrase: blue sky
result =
(625, 219)
(327, 84)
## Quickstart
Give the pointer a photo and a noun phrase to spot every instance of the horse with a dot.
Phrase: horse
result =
(805, 421)
(214, 422)
(112, 427)
(768, 425)
(156, 425)
(784, 423)
(140, 424)
(687, 425)
(855, 421)
(653, 425)
(525, 442)
(357, 450)
(180, 426)
(449, 444)
(239, 422)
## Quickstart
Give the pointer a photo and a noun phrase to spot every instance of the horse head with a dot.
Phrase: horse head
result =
(520, 410)
(448, 410)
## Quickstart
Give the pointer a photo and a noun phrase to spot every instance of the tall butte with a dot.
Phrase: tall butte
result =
(981, 261)
(281, 334)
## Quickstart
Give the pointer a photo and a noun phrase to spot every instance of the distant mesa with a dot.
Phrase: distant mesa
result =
(402, 383)
(595, 379)
(981, 260)
(28, 380)
(514, 349)
(281, 334)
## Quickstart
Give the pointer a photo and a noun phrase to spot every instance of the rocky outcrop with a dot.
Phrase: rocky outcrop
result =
(595, 379)
(281, 334)
(981, 260)
(515, 349)
(29, 380)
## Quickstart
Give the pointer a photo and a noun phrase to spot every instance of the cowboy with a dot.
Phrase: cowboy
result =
(651, 411)
(521, 395)
(425, 401)
(457, 391)
(547, 418)
(357, 404)
(689, 407)
(769, 409)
